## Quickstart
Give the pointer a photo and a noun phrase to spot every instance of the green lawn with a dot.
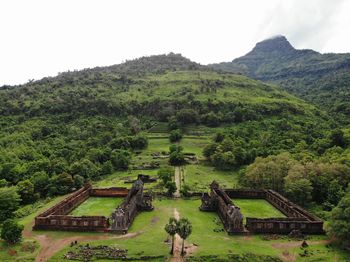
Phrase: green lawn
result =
(155, 145)
(258, 208)
(200, 176)
(23, 251)
(195, 145)
(118, 178)
(97, 206)
(150, 225)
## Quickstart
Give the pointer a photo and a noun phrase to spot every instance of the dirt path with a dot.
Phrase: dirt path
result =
(178, 242)
(177, 181)
(49, 246)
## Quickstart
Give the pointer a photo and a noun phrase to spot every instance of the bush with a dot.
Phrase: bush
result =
(11, 231)
(175, 135)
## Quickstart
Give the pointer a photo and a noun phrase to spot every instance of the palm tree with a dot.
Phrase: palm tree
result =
(171, 228)
(184, 230)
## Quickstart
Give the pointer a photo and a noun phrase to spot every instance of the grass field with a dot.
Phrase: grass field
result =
(192, 144)
(97, 206)
(199, 177)
(118, 178)
(258, 208)
(150, 241)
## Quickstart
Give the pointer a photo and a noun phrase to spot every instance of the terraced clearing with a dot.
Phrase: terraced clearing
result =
(199, 177)
(97, 206)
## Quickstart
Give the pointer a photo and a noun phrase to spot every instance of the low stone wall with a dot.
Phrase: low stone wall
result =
(245, 193)
(298, 218)
(72, 223)
(287, 207)
(109, 192)
(69, 203)
(283, 225)
(57, 218)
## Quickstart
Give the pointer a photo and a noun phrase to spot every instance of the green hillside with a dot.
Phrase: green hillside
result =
(107, 125)
(323, 79)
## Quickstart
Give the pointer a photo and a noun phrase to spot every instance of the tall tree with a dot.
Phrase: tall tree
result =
(25, 189)
(339, 225)
(9, 202)
(171, 228)
(184, 231)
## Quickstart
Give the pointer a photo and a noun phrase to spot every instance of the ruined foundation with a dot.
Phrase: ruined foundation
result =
(57, 218)
(297, 218)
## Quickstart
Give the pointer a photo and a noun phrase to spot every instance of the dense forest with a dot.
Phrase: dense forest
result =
(59, 132)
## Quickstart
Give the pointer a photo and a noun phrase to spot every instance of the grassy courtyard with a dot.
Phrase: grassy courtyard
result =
(97, 206)
(199, 177)
(258, 208)
(150, 236)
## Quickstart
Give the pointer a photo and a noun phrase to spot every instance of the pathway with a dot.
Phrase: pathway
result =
(178, 242)
(177, 181)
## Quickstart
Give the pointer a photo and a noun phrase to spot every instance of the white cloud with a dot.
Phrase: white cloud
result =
(40, 37)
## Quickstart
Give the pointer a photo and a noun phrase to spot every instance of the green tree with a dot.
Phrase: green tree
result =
(337, 138)
(25, 189)
(175, 135)
(177, 158)
(268, 172)
(61, 184)
(107, 168)
(171, 186)
(121, 159)
(171, 228)
(78, 181)
(3, 183)
(41, 182)
(339, 225)
(184, 230)
(299, 191)
(9, 202)
(335, 192)
(11, 231)
(84, 168)
(166, 174)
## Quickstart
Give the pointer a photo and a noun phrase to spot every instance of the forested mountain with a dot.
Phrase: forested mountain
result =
(84, 124)
(59, 132)
(323, 79)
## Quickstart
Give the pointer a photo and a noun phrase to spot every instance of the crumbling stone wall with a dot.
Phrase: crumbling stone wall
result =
(135, 201)
(219, 200)
(229, 213)
(284, 225)
(109, 192)
(57, 218)
(72, 223)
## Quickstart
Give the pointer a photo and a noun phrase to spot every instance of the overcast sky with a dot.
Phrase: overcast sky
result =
(42, 38)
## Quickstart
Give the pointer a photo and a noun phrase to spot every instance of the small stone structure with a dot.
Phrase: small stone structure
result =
(143, 178)
(297, 218)
(57, 218)
(135, 201)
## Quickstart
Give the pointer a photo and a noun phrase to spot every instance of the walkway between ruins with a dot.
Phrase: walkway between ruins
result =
(178, 242)
(177, 181)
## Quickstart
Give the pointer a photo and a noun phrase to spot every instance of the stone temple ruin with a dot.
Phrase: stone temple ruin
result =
(58, 218)
(135, 201)
(220, 201)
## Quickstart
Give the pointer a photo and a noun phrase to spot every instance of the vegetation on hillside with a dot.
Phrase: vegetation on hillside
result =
(323, 79)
